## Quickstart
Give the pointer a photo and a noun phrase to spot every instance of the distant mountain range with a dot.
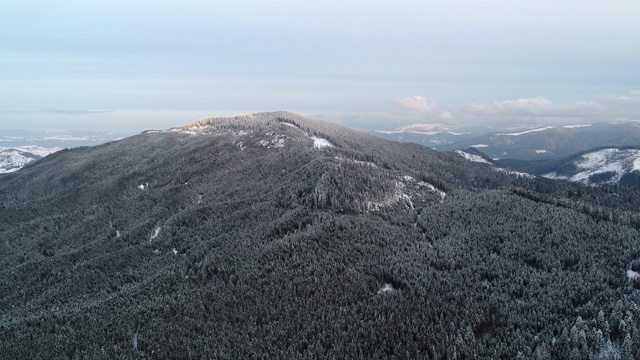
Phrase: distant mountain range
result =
(549, 142)
(608, 165)
(19, 147)
(552, 142)
(431, 135)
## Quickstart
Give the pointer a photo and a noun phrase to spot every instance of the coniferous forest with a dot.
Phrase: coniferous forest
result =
(275, 236)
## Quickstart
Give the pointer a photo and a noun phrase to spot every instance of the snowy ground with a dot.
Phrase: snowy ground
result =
(616, 161)
(12, 159)
(472, 157)
(320, 142)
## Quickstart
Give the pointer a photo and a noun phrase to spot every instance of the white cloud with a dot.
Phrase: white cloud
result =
(542, 111)
(505, 114)
(584, 108)
(446, 115)
(417, 103)
(532, 106)
(623, 102)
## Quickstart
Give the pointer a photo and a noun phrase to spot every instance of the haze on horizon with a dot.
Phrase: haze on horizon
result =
(130, 66)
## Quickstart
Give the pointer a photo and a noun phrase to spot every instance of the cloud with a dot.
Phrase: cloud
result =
(446, 115)
(540, 110)
(73, 111)
(623, 102)
(418, 104)
(365, 121)
(52, 111)
(504, 114)
(532, 106)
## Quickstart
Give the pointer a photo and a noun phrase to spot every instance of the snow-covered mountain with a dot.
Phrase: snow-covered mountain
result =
(19, 147)
(475, 155)
(13, 159)
(552, 142)
(603, 166)
(431, 135)
(260, 227)
(606, 165)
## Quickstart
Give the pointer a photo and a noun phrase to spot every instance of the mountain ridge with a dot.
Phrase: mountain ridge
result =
(604, 165)
(552, 142)
(243, 238)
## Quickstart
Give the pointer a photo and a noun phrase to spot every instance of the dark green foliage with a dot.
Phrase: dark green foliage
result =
(235, 248)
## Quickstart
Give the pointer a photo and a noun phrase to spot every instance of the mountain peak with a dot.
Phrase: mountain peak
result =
(208, 124)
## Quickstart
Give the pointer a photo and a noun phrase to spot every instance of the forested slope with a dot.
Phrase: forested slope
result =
(278, 236)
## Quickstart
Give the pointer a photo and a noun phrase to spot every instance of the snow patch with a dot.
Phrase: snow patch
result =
(541, 151)
(175, 252)
(290, 124)
(143, 186)
(632, 275)
(479, 159)
(155, 234)
(423, 128)
(575, 126)
(187, 130)
(320, 142)
(636, 165)
(386, 288)
(400, 194)
(408, 198)
(513, 172)
(425, 132)
(429, 187)
(472, 157)
(527, 131)
(479, 146)
(192, 133)
(358, 162)
(276, 141)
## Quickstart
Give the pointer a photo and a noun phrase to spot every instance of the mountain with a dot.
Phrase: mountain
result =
(608, 165)
(18, 147)
(431, 135)
(552, 142)
(55, 139)
(274, 235)
(13, 159)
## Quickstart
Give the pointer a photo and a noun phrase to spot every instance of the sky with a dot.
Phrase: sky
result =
(129, 66)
